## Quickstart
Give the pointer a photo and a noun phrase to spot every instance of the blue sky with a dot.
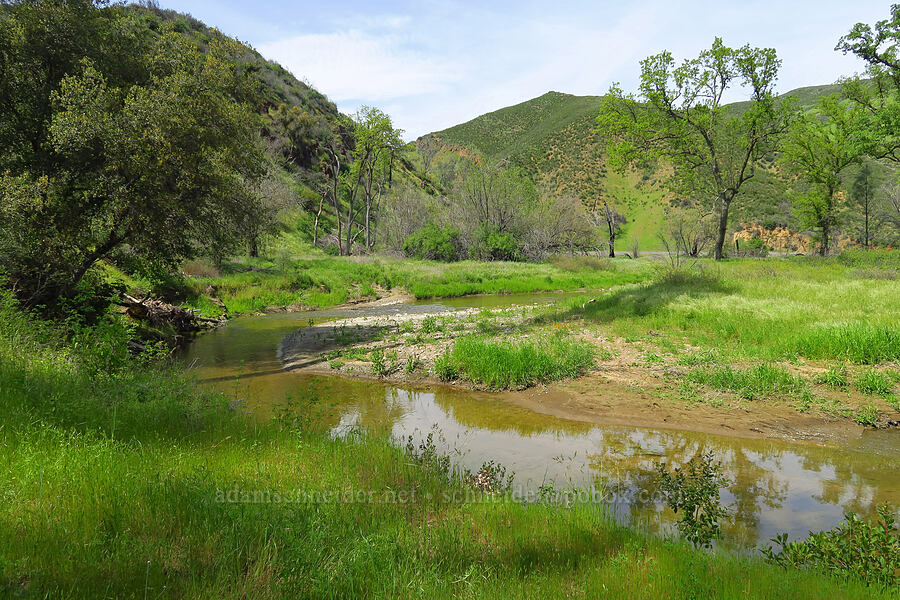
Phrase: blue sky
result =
(432, 64)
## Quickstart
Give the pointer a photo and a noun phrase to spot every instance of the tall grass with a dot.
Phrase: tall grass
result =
(134, 483)
(516, 364)
(753, 383)
(862, 343)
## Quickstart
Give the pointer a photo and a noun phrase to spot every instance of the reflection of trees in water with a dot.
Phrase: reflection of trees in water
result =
(627, 464)
(858, 482)
(762, 472)
(486, 411)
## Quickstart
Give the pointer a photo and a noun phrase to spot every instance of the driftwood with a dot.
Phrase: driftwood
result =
(157, 313)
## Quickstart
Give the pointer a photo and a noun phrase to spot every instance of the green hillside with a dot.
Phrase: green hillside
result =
(552, 137)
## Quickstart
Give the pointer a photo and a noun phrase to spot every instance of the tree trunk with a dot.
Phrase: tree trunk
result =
(254, 246)
(99, 252)
(723, 226)
(867, 215)
(318, 214)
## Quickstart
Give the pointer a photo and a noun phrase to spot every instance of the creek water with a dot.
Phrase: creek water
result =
(775, 486)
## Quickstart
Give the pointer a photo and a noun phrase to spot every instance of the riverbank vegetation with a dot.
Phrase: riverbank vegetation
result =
(122, 478)
(740, 334)
(145, 157)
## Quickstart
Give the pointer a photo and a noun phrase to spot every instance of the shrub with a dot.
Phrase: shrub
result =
(865, 550)
(693, 490)
(755, 247)
(434, 243)
(493, 245)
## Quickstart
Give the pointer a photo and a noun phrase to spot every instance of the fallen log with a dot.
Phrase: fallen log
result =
(156, 313)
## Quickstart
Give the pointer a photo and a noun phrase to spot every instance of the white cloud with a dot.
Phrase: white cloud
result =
(355, 65)
(448, 62)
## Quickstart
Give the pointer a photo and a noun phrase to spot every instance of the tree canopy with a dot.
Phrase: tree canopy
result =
(679, 116)
(113, 136)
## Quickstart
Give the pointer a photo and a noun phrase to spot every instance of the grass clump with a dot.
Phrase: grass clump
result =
(515, 365)
(866, 415)
(861, 343)
(753, 383)
(835, 376)
(874, 383)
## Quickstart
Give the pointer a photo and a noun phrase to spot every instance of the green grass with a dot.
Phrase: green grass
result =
(123, 479)
(323, 282)
(516, 364)
(835, 376)
(753, 383)
(874, 383)
(860, 342)
(759, 311)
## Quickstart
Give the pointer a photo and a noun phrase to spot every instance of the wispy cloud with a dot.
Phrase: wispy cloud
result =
(359, 66)
(434, 63)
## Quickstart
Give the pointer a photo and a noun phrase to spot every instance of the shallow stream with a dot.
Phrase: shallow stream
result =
(777, 486)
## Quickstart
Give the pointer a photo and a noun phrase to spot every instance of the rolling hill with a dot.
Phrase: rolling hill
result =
(552, 138)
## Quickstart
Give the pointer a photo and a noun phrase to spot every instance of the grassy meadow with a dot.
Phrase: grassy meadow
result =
(316, 281)
(122, 479)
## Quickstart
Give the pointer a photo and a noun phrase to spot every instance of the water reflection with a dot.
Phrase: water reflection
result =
(775, 486)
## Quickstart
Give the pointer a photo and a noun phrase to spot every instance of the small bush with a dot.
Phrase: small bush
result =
(493, 245)
(864, 550)
(434, 243)
(755, 247)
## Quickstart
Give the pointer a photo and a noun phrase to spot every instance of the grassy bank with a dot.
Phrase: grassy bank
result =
(122, 479)
(259, 285)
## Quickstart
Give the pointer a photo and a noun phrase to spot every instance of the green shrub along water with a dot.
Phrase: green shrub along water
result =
(121, 478)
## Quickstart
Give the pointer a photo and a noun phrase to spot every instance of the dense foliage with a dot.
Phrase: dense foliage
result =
(113, 135)
(865, 550)
(434, 243)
